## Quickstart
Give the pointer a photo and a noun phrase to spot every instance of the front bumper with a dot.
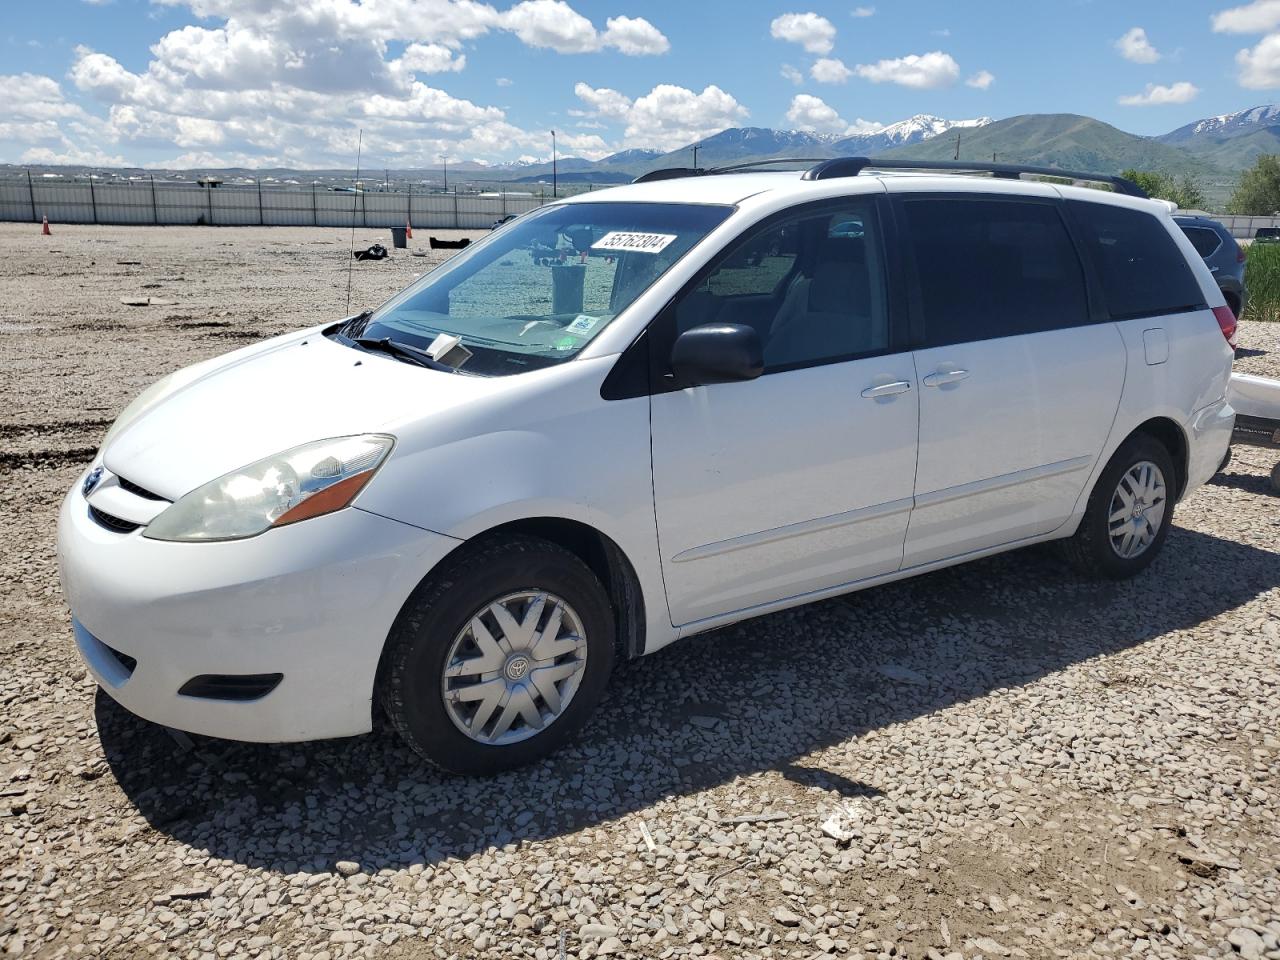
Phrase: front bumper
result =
(312, 601)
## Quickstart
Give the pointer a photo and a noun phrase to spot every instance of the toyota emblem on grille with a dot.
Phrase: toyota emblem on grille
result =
(91, 481)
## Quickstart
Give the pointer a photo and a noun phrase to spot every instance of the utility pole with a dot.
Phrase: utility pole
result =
(957, 144)
(695, 156)
(445, 160)
(555, 186)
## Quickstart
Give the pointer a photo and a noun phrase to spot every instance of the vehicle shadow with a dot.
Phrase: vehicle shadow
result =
(760, 696)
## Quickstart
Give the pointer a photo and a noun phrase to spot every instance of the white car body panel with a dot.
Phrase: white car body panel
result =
(727, 501)
(763, 491)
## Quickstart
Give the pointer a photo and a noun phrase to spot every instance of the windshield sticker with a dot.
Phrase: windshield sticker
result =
(634, 242)
(582, 324)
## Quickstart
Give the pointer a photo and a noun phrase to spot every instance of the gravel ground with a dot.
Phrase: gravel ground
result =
(996, 760)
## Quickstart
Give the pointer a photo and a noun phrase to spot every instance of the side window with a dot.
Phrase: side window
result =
(1142, 271)
(1203, 239)
(993, 268)
(811, 285)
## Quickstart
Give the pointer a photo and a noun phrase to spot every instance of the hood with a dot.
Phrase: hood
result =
(246, 409)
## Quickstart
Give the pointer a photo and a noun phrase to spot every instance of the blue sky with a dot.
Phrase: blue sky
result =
(213, 82)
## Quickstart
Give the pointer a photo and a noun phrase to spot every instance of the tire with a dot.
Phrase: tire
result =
(436, 629)
(1092, 550)
(1275, 479)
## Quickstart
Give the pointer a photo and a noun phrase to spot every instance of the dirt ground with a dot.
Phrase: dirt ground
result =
(995, 760)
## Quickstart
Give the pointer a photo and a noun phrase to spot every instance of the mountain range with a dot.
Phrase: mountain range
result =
(1214, 151)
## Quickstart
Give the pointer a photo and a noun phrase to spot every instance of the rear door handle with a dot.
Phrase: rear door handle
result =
(943, 377)
(887, 389)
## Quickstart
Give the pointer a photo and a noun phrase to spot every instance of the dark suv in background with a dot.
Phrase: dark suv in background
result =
(1223, 256)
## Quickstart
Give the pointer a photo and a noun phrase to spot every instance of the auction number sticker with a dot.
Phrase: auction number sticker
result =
(634, 242)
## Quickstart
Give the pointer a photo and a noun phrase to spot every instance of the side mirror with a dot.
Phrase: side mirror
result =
(717, 353)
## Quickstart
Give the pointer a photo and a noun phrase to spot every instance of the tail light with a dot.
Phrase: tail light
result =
(1240, 258)
(1226, 323)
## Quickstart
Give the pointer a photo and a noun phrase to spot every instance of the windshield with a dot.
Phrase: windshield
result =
(541, 287)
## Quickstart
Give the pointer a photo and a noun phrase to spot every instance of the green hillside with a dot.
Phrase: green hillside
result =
(1061, 140)
(1237, 153)
(1074, 142)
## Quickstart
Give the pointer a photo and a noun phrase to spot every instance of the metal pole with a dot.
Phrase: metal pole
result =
(555, 188)
(364, 211)
(504, 203)
(408, 210)
(457, 223)
(155, 210)
(31, 191)
(93, 199)
(208, 189)
(260, 220)
(315, 216)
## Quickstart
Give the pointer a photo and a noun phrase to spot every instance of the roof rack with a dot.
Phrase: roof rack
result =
(853, 166)
(673, 173)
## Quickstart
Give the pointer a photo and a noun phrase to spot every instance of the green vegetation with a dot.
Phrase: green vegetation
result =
(1183, 191)
(1062, 140)
(1259, 192)
(1262, 277)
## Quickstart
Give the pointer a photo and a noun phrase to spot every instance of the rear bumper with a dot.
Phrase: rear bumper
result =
(313, 601)
(1208, 439)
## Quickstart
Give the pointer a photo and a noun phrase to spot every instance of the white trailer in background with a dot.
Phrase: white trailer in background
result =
(1257, 404)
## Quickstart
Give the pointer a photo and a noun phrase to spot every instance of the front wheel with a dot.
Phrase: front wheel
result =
(1129, 512)
(500, 658)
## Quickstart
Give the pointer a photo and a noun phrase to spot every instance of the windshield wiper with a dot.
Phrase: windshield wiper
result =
(404, 352)
(356, 325)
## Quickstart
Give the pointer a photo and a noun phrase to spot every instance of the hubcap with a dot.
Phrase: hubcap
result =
(1137, 510)
(512, 670)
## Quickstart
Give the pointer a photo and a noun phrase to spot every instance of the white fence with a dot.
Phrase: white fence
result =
(144, 202)
(1244, 228)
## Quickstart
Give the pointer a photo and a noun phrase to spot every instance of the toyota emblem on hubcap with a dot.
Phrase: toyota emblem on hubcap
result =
(517, 667)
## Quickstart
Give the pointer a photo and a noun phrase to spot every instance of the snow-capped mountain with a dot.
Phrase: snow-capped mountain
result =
(912, 130)
(1227, 126)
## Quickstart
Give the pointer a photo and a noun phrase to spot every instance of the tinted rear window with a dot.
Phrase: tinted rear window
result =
(1203, 239)
(994, 268)
(1142, 271)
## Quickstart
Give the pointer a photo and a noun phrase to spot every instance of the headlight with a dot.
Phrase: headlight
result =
(307, 481)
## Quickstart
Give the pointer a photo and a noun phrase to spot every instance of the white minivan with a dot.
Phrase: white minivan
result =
(633, 416)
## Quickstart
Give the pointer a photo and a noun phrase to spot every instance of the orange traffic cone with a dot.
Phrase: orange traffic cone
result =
(408, 230)
(44, 230)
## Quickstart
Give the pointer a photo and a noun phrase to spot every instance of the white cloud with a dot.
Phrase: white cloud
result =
(669, 116)
(430, 58)
(552, 24)
(921, 72)
(291, 83)
(816, 34)
(556, 25)
(982, 80)
(830, 70)
(603, 102)
(1135, 46)
(791, 74)
(1157, 95)
(1260, 66)
(1261, 16)
(814, 115)
(862, 12)
(634, 36)
(503, 81)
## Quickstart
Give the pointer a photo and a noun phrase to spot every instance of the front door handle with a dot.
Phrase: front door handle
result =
(887, 389)
(943, 377)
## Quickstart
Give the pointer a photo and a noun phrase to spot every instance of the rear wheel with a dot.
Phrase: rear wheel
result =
(1129, 512)
(500, 658)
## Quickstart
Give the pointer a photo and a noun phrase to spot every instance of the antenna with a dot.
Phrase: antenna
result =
(355, 197)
